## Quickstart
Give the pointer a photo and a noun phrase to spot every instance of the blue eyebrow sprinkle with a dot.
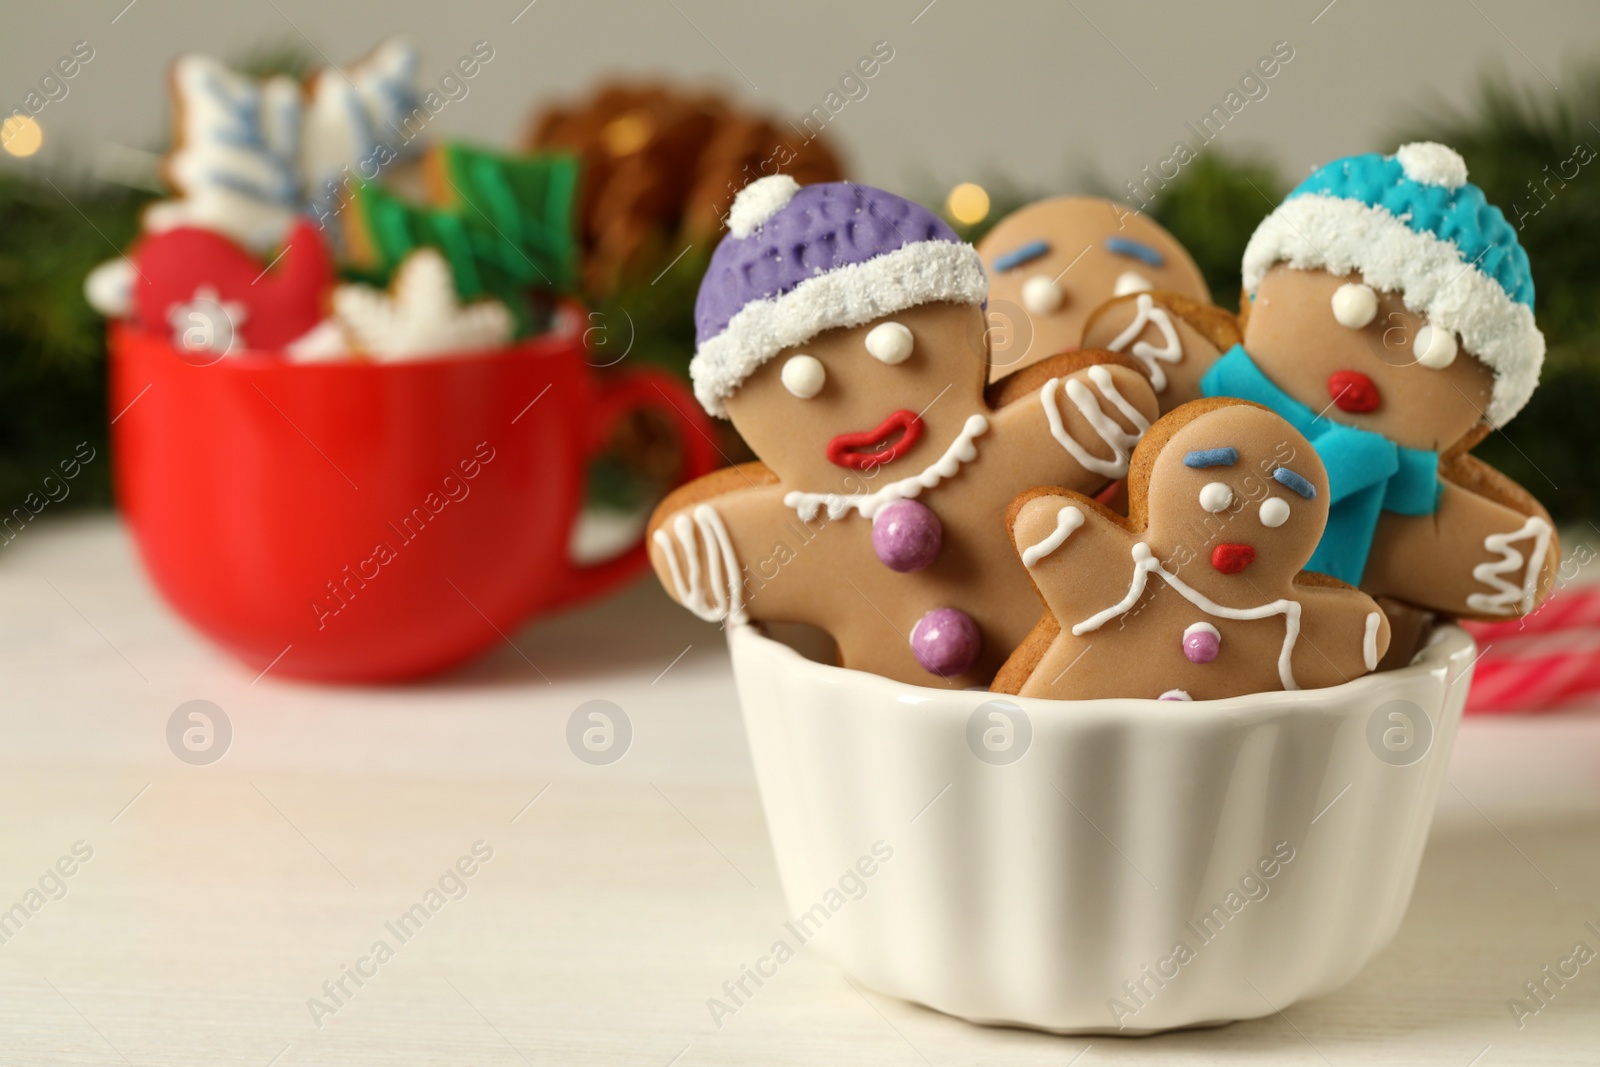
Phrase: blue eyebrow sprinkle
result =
(1211, 457)
(1018, 256)
(1126, 246)
(1292, 481)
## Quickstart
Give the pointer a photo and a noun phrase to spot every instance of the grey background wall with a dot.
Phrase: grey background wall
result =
(1036, 90)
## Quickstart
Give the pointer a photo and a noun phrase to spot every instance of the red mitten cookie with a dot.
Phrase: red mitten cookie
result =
(211, 294)
(1199, 593)
(842, 330)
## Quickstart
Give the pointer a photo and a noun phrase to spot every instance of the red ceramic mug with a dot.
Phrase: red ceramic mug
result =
(372, 522)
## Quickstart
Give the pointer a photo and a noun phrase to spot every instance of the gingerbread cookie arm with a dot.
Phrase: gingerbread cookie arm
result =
(1476, 557)
(712, 544)
(1174, 338)
(1343, 632)
(1091, 405)
(1078, 554)
(1065, 541)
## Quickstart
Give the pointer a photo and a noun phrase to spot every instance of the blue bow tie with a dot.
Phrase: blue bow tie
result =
(1367, 472)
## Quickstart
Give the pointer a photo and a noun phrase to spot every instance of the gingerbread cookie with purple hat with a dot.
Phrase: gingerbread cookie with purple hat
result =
(1200, 592)
(1390, 320)
(841, 329)
(1052, 263)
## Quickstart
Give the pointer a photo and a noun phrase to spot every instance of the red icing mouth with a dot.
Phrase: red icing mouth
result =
(871, 448)
(1353, 391)
(1231, 558)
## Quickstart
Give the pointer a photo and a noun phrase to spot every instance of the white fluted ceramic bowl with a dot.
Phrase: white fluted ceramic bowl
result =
(1052, 891)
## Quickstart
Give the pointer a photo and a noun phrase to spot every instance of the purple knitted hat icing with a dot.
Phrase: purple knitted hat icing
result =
(798, 261)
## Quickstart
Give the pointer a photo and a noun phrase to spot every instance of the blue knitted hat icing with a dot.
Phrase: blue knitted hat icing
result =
(798, 261)
(1456, 213)
(1411, 223)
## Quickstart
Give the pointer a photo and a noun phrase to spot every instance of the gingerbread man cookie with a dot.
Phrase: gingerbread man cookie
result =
(1053, 262)
(1199, 593)
(1390, 320)
(841, 328)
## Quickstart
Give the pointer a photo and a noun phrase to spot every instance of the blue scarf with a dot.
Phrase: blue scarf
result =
(1367, 472)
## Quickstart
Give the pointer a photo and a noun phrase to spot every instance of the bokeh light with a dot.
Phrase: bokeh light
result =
(21, 135)
(968, 203)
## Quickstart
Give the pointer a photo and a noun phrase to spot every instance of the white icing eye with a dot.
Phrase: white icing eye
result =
(1274, 511)
(804, 375)
(889, 342)
(1041, 295)
(1131, 281)
(1435, 349)
(1215, 497)
(1355, 305)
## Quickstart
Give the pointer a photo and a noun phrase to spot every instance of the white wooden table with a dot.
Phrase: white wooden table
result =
(220, 898)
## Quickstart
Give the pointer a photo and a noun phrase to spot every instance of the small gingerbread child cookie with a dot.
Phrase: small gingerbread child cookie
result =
(1390, 320)
(841, 328)
(1053, 262)
(1199, 593)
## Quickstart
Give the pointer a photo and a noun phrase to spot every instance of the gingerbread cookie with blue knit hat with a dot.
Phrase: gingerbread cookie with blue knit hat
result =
(1202, 585)
(1389, 319)
(1053, 262)
(841, 328)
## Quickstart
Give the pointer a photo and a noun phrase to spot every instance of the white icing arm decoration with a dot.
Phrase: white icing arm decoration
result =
(1171, 350)
(1508, 598)
(1369, 640)
(722, 595)
(1068, 519)
(1120, 441)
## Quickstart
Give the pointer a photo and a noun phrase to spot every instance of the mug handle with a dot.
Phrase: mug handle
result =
(620, 393)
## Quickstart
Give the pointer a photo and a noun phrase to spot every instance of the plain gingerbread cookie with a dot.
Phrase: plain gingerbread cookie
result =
(842, 330)
(1199, 593)
(1053, 262)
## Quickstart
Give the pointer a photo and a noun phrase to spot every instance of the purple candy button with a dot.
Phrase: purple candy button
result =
(1201, 643)
(907, 536)
(946, 642)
